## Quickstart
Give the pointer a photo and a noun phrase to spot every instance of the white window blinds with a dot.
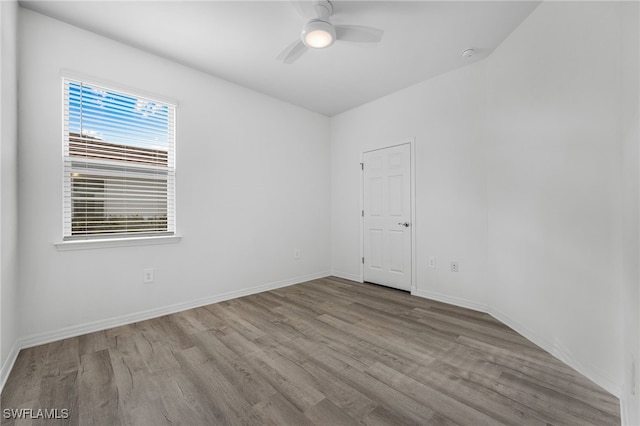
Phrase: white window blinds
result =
(119, 163)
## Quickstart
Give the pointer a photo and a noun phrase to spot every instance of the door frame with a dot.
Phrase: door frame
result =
(412, 143)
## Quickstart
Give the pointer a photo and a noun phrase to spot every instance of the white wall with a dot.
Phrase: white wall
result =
(630, 210)
(554, 157)
(445, 115)
(522, 175)
(8, 187)
(252, 185)
(519, 162)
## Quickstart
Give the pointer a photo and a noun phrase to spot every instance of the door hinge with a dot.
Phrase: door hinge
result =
(362, 166)
(363, 260)
(362, 213)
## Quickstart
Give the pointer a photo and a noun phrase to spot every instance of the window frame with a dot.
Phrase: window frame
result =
(96, 240)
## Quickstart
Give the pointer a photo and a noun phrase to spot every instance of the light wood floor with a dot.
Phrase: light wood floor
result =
(328, 352)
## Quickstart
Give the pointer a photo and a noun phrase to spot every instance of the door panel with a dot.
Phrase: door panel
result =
(376, 197)
(376, 248)
(396, 251)
(387, 216)
(395, 195)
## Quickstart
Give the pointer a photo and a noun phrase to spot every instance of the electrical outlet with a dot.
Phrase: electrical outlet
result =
(433, 262)
(296, 254)
(147, 275)
(454, 266)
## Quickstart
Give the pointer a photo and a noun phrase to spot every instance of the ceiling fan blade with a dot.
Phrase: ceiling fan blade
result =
(292, 52)
(358, 33)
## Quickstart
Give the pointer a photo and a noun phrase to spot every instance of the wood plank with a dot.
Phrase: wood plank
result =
(326, 412)
(288, 378)
(392, 343)
(23, 387)
(139, 399)
(516, 397)
(92, 342)
(97, 391)
(438, 401)
(475, 395)
(63, 357)
(278, 411)
(60, 393)
(328, 351)
(237, 370)
(348, 344)
(407, 409)
(224, 400)
(353, 403)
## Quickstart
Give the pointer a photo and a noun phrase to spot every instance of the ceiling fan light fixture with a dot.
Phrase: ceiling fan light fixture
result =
(318, 34)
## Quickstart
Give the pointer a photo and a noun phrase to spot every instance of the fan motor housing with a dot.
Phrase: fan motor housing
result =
(318, 34)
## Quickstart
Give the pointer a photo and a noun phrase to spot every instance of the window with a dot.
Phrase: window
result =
(119, 164)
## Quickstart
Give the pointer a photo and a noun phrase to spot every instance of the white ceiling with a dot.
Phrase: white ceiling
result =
(239, 41)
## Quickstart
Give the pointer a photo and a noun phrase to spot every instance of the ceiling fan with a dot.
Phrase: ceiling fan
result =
(320, 33)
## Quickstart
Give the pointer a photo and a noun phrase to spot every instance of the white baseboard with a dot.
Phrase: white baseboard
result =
(8, 364)
(520, 329)
(346, 276)
(595, 374)
(77, 330)
(555, 348)
(560, 351)
(463, 303)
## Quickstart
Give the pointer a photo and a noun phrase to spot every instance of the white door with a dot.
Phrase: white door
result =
(387, 216)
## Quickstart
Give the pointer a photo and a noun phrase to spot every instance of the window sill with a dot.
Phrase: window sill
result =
(115, 242)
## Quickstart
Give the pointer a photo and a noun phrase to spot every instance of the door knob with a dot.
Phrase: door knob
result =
(405, 224)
